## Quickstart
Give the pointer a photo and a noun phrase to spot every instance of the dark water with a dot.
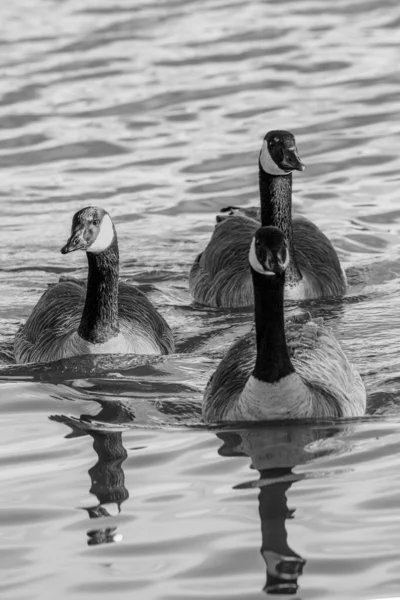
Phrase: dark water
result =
(111, 487)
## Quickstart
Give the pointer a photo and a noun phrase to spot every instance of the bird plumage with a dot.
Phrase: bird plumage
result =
(336, 388)
(291, 369)
(102, 316)
(50, 332)
(220, 275)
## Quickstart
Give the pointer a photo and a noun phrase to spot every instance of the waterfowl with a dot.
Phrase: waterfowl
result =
(295, 370)
(101, 317)
(220, 276)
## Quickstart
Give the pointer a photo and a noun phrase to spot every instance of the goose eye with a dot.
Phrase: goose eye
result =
(96, 221)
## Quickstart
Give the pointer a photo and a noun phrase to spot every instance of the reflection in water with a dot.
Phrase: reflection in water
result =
(283, 564)
(275, 450)
(107, 475)
(156, 110)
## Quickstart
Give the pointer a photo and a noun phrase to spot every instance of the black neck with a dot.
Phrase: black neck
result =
(272, 362)
(276, 211)
(99, 321)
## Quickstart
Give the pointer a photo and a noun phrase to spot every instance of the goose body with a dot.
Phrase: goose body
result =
(102, 316)
(220, 275)
(282, 370)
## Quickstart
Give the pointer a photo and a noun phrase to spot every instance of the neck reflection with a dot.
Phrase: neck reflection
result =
(275, 450)
(284, 565)
(107, 475)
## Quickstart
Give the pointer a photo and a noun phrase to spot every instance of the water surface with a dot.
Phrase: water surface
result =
(112, 487)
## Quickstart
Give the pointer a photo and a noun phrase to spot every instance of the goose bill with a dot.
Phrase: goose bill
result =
(291, 159)
(75, 242)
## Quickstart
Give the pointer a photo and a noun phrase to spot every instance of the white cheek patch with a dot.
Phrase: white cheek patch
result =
(287, 260)
(105, 236)
(254, 262)
(268, 164)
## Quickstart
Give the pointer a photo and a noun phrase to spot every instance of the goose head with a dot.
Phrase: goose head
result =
(92, 230)
(269, 253)
(279, 154)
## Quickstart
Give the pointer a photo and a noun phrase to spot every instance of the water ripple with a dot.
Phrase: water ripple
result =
(156, 112)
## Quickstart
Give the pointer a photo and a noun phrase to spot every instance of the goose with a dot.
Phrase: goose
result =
(220, 276)
(295, 370)
(102, 317)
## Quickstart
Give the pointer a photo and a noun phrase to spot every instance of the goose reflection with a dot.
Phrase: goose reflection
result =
(275, 450)
(107, 475)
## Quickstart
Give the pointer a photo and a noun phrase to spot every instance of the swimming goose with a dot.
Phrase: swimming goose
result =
(220, 276)
(102, 317)
(295, 370)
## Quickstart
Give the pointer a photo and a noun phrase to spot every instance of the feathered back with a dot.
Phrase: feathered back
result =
(336, 388)
(317, 260)
(138, 316)
(50, 331)
(220, 276)
(49, 326)
(228, 380)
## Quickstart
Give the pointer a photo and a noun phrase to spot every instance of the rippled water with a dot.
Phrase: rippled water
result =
(111, 487)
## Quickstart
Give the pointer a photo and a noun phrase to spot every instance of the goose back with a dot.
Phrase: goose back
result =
(220, 276)
(335, 388)
(317, 260)
(50, 332)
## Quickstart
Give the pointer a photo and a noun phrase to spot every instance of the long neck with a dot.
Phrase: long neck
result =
(99, 321)
(276, 210)
(273, 361)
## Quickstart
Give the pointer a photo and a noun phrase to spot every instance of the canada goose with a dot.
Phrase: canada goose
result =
(102, 317)
(295, 370)
(220, 276)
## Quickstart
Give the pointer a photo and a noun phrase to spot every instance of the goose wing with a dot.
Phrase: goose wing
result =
(53, 320)
(317, 260)
(139, 318)
(58, 313)
(315, 255)
(220, 276)
(228, 380)
(336, 387)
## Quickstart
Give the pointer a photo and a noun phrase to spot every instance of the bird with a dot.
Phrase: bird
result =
(292, 370)
(102, 316)
(220, 276)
